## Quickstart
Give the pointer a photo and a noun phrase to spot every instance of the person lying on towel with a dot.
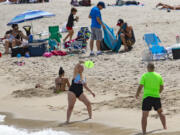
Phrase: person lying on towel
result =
(126, 34)
(165, 6)
(122, 2)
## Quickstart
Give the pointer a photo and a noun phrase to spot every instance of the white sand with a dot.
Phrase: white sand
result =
(114, 78)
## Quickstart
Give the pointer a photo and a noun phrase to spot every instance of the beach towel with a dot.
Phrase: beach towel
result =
(126, 3)
(110, 39)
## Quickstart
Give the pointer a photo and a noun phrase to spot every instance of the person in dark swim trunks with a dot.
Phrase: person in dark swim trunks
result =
(76, 91)
(126, 34)
(61, 82)
(153, 86)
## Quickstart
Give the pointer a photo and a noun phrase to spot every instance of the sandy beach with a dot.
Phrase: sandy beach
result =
(114, 79)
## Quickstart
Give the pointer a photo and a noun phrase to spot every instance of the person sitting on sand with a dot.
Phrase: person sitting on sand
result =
(153, 86)
(13, 38)
(61, 82)
(76, 91)
(126, 35)
(165, 6)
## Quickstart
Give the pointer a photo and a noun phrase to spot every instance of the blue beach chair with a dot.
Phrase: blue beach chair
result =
(157, 51)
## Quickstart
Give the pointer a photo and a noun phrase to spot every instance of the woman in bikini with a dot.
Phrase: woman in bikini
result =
(14, 38)
(61, 82)
(76, 91)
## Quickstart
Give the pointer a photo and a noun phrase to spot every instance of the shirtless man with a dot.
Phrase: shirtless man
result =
(13, 38)
(61, 82)
(126, 35)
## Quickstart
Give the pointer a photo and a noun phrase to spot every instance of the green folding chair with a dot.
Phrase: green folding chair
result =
(55, 34)
(54, 37)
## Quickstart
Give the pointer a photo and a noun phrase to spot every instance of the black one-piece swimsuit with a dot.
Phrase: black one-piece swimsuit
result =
(76, 88)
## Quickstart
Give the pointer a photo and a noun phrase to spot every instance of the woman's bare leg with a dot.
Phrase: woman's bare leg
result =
(71, 102)
(85, 100)
(7, 45)
(13, 43)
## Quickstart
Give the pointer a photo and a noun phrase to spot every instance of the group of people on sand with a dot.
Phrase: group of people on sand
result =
(125, 32)
(151, 81)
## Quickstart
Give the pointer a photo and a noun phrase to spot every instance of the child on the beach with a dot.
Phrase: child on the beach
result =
(70, 24)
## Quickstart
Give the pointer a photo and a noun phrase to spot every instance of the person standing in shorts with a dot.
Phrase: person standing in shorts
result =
(153, 86)
(70, 24)
(96, 23)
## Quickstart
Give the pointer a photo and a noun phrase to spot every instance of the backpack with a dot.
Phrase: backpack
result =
(85, 3)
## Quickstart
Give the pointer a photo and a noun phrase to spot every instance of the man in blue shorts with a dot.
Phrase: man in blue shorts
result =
(153, 86)
(96, 23)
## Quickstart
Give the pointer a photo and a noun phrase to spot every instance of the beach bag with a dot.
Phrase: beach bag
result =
(103, 46)
(47, 54)
(67, 44)
(85, 3)
(74, 3)
(119, 2)
(18, 50)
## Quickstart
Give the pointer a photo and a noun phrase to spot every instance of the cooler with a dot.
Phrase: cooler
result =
(176, 53)
(37, 48)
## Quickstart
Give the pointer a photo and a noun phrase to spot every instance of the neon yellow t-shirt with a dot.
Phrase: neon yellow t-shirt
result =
(151, 82)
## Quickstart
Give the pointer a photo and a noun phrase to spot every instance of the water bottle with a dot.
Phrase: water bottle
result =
(30, 39)
(177, 39)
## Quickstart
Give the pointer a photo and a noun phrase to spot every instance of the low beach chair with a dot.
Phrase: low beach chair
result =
(80, 43)
(55, 35)
(158, 52)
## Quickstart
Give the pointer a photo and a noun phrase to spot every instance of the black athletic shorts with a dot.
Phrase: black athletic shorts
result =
(150, 102)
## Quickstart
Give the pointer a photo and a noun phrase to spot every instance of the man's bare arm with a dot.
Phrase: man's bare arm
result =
(139, 90)
(161, 88)
(100, 22)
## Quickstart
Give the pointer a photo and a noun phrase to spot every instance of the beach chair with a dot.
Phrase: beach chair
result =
(158, 52)
(27, 29)
(80, 43)
(54, 35)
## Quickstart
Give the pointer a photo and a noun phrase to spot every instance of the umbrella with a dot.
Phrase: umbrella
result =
(29, 16)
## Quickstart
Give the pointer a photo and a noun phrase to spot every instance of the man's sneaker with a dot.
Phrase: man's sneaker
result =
(99, 53)
(92, 54)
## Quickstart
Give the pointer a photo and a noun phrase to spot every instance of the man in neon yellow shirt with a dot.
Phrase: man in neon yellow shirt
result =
(153, 86)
